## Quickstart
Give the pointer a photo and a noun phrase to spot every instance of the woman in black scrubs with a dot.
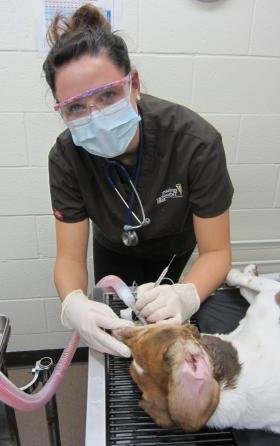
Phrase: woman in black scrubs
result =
(150, 175)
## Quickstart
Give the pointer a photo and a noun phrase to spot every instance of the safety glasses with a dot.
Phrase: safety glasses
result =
(100, 98)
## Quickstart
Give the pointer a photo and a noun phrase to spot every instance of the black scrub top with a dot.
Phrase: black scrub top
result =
(183, 173)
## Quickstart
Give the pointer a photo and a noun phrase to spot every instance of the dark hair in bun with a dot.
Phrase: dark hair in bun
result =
(85, 32)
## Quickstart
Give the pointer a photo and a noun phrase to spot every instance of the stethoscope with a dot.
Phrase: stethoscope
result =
(129, 235)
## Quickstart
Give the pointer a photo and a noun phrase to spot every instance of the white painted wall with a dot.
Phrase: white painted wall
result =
(220, 58)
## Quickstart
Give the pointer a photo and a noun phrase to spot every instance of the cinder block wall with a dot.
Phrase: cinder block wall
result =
(220, 58)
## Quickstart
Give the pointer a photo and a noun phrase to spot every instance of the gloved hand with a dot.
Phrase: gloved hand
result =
(88, 318)
(169, 303)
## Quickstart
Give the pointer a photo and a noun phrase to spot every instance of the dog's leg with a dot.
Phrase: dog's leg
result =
(254, 283)
(252, 271)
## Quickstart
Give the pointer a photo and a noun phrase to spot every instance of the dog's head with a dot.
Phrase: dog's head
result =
(175, 373)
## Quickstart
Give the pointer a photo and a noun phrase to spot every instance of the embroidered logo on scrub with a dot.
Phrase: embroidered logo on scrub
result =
(176, 192)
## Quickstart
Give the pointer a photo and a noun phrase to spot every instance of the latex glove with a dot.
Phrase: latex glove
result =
(88, 318)
(169, 303)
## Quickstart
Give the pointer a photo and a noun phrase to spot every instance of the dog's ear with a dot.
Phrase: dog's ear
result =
(193, 392)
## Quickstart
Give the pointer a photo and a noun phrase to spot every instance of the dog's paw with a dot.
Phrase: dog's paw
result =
(233, 277)
(251, 270)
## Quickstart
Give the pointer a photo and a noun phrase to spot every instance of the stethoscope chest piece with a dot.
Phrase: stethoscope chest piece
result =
(129, 235)
(129, 238)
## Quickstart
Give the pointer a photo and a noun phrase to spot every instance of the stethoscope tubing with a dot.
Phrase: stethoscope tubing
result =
(128, 207)
(129, 204)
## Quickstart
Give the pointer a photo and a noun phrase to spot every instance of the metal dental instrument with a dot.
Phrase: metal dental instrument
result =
(164, 272)
(157, 282)
(132, 307)
(138, 316)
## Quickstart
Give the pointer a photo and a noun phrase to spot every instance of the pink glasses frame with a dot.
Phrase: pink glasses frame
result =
(85, 94)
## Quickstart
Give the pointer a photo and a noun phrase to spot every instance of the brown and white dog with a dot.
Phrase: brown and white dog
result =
(191, 380)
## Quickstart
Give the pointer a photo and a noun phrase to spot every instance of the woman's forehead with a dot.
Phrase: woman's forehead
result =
(85, 73)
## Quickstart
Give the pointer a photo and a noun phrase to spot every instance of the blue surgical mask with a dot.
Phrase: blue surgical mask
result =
(107, 135)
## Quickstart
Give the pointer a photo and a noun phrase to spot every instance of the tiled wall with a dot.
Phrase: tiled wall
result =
(221, 58)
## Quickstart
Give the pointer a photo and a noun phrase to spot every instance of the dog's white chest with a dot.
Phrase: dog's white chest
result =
(255, 402)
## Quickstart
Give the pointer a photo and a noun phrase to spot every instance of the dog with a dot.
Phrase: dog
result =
(190, 379)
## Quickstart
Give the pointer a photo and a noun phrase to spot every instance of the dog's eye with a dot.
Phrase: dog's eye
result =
(167, 360)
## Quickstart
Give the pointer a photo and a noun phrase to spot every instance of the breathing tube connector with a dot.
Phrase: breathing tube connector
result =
(11, 395)
(123, 292)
